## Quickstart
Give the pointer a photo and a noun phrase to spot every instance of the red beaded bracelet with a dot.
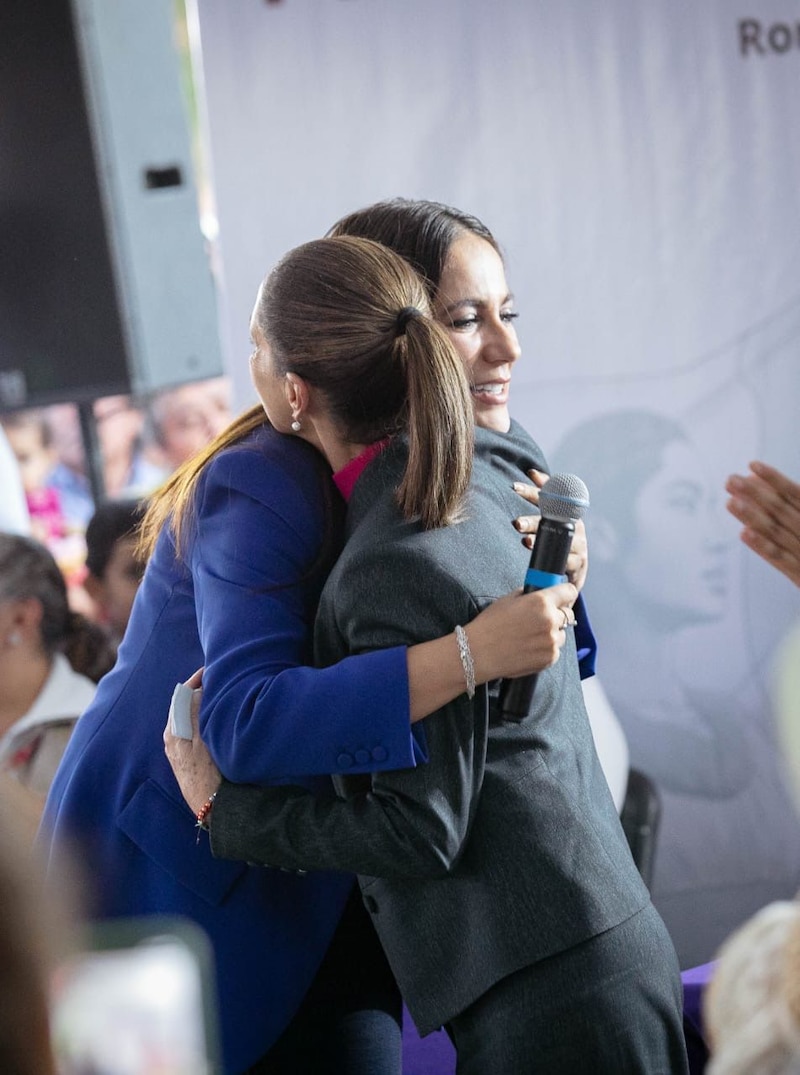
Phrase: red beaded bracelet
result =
(201, 820)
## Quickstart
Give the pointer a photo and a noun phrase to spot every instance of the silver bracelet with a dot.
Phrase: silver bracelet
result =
(466, 661)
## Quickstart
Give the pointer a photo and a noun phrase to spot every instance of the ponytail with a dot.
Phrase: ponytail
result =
(439, 424)
(87, 647)
(353, 319)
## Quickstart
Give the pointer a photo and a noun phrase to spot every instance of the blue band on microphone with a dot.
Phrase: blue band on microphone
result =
(541, 580)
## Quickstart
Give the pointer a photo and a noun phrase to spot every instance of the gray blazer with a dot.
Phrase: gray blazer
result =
(505, 848)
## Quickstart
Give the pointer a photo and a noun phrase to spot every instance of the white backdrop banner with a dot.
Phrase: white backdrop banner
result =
(639, 164)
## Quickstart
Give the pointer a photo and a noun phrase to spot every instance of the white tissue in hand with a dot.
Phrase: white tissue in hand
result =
(180, 711)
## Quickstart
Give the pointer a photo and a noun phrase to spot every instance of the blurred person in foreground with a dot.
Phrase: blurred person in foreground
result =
(26, 957)
(751, 1007)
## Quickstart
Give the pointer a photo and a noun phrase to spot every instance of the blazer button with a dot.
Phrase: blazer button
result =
(379, 754)
(363, 757)
(371, 904)
(344, 761)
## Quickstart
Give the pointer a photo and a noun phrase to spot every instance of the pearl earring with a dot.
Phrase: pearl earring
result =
(14, 638)
(296, 427)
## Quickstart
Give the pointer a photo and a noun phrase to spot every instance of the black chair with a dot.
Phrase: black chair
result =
(640, 817)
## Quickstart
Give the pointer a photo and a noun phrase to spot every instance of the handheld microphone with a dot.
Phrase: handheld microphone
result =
(563, 499)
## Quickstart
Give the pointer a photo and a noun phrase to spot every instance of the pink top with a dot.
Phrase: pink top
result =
(347, 477)
(44, 508)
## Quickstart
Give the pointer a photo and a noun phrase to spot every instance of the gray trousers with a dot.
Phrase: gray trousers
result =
(611, 1006)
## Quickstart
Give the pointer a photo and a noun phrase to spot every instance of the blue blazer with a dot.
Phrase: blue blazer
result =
(240, 602)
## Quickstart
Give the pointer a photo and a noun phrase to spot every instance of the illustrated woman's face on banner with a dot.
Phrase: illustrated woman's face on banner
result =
(678, 560)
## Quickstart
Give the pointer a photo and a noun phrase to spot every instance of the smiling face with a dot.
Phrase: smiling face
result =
(476, 308)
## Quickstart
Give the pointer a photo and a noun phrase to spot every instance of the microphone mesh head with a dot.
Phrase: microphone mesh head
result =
(565, 497)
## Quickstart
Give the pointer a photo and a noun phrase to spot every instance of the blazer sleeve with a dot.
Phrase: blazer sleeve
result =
(408, 823)
(264, 716)
(585, 641)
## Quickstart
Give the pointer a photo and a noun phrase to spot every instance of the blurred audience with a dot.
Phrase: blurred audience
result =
(45, 491)
(120, 429)
(183, 420)
(50, 661)
(30, 438)
(69, 475)
(14, 516)
(114, 570)
(768, 503)
(142, 446)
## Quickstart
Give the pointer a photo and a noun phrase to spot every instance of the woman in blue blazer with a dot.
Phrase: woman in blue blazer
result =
(241, 539)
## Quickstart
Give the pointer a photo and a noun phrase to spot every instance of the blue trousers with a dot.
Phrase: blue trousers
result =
(350, 1021)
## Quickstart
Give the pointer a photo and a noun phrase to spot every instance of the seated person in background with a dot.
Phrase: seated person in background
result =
(50, 661)
(113, 569)
(752, 1006)
(181, 421)
(126, 471)
(69, 475)
(768, 503)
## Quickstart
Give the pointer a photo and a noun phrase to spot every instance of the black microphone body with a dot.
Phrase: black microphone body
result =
(562, 501)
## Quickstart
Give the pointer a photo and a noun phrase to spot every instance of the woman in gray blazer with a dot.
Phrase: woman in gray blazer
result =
(497, 875)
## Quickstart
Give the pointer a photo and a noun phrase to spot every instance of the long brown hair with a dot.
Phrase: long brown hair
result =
(353, 319)
(172, 502)
(331, 312)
